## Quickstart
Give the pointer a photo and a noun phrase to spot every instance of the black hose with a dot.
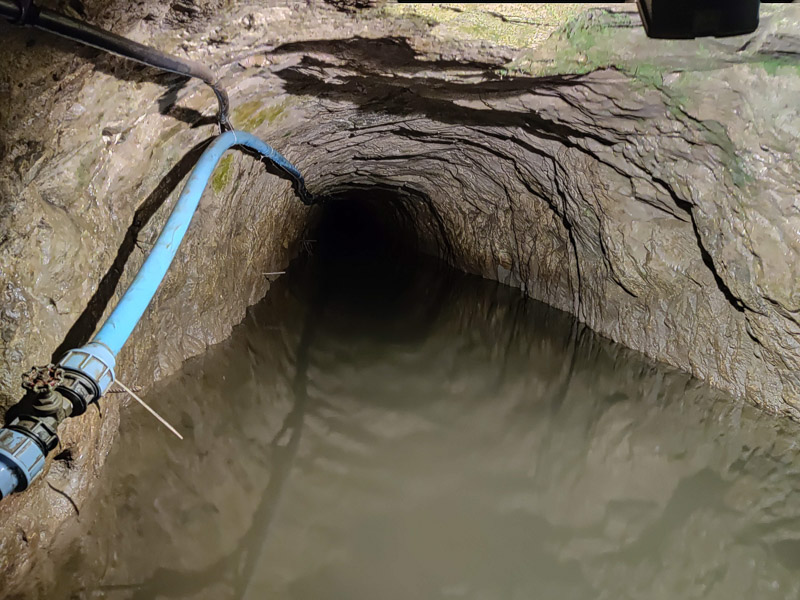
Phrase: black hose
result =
(28, 14)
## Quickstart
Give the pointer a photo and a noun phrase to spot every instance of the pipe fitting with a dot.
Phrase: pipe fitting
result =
(88, 373)
(59, 391)
(39, 419)
(84, 374)
(21, 461)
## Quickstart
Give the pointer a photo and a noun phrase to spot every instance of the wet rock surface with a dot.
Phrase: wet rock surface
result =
(646, 187)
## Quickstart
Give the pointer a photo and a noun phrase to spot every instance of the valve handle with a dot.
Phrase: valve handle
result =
(43, 380)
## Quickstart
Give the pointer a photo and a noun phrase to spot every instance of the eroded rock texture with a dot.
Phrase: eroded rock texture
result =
(661, 213)
(649, 188)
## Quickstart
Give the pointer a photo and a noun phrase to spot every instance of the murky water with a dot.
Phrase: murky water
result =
(431, 435)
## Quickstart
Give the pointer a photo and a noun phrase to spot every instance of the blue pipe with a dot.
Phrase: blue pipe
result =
(119, 325)
(91, 367)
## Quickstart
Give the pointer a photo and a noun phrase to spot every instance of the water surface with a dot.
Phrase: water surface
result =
(420, 434)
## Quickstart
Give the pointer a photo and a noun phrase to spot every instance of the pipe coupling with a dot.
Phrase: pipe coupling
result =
(88, 373)
(21, 461)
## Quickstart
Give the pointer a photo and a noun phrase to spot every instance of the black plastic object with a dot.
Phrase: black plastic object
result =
(79, 389)
(686, 19)
(24, 12)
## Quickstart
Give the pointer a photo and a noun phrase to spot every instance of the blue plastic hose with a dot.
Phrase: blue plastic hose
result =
(21, 456)
(120, 324)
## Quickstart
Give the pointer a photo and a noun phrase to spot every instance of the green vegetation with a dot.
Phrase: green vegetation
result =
(251, 115)
(775, 66)
(574, 39)
(595, 39)
(511, 25)
(222, 174)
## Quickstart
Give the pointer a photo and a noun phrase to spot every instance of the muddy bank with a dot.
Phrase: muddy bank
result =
(645, 187)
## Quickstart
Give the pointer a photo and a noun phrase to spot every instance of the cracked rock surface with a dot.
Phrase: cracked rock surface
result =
(649, 188)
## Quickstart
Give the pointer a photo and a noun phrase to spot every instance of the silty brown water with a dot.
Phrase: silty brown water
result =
(419, 433)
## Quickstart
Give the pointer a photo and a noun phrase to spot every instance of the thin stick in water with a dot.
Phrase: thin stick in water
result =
(150, 410)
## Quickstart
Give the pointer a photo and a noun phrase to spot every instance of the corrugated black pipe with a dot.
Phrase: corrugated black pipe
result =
(25, 13)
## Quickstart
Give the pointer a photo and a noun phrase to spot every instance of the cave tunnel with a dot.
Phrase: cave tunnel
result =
(536, 331)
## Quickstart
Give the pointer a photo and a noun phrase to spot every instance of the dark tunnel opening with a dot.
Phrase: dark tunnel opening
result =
(366, 241)
(368, 261)
(370, 230)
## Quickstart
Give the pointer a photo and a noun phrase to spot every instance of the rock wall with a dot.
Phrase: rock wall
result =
(652, 196)
(95, 152)
(648, 188)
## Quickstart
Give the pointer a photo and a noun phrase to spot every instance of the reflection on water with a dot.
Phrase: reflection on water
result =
(437, 436)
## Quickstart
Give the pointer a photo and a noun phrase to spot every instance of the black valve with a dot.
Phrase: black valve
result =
(42, 381)
(40, 419)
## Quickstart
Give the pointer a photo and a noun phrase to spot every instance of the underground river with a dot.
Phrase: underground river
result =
(381, 426)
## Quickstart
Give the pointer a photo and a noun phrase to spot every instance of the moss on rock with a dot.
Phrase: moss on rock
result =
(222, 174)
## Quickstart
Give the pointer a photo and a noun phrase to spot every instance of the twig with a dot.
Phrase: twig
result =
(67, 496)
(135, 388)
(150, 410)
